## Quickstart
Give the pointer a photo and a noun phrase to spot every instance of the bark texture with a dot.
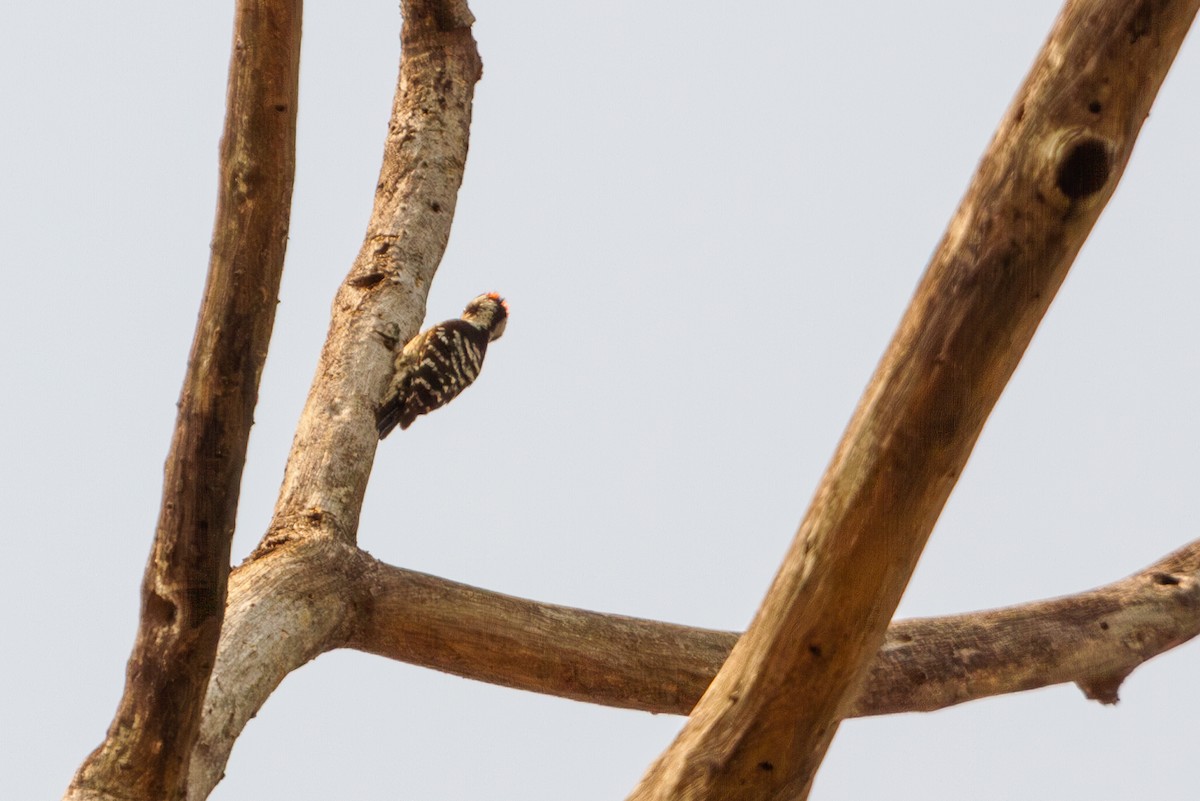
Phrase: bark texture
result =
(382, 301)
(146, 751)
(285, 609)
(301, 577)
(763, 726)
(326, 595)
(1093, 639)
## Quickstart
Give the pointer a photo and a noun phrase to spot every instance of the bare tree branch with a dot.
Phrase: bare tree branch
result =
(285, 608)
(295, 603)
(1094, 639)
(382, 301)
(145, 754)
(308, 589)
(762, 728)
(301, 579)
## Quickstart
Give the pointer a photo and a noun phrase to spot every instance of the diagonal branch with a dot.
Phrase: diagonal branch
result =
(998, 263)
(763, 726)
(145, 754)
(286, 608)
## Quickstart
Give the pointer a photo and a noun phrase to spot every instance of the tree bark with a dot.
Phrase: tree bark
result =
(1093, 639)
(763, 726)
(149, 743)
(286, 608)
(310, 540)
(327, 595)
(382, 301)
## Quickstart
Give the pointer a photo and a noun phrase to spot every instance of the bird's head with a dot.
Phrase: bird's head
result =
(489, 312)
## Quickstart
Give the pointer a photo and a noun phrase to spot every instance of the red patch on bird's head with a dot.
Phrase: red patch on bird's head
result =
(496, 297)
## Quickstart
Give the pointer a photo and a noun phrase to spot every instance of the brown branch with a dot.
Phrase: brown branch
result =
(323, 594)
(308, 581)
(145, 754)
(314, 591)
(302, 578)
(1094, 639)
(762, 728)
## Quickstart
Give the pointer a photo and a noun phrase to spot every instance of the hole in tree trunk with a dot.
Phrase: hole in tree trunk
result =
(1085, 169)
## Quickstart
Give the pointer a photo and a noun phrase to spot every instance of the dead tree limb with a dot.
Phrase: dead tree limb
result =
(1093, 639)
(286, 607)
(146, 751)
(300, 578)
(763, 726)
(309, 589)
(322, 594)
(382, 301)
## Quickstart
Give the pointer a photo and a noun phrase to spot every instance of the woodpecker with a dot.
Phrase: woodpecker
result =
(438, 364)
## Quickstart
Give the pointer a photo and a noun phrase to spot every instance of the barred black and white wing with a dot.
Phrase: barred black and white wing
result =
(437, 365)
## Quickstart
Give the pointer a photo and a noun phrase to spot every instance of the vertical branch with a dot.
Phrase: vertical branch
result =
(145, 754)
(762, 728)
(382, 301)
(305, 576)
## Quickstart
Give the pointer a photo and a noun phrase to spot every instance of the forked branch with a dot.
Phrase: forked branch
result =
(301, 579)
(329, 595)
(762, 727)
(1093, 639)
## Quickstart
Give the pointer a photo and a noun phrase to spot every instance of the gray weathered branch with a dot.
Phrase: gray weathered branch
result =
(382, 300)
(286, 608)
(299, 580)
(146, 751)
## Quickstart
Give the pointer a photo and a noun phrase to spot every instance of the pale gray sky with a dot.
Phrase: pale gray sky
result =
(707, 219)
